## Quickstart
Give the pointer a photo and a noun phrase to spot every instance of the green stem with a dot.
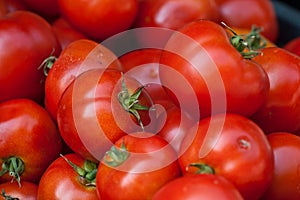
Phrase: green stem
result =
(14, 166)
(116, 155)
(7, 197)
(202, 168)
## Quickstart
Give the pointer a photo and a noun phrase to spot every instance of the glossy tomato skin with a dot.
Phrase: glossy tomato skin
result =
(28, 190)
(239, 151)
(174, 14)
(90, 117)
(151, 164)
(247, 13)
(199, 186)
(203, 66)
(61, 181)
(293, 46)
(28, 132)
(31, 35)
(281, 111)
(99, 19)
(285, 183)
(79, 56)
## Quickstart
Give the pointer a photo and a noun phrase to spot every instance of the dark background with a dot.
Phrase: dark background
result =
(288, 14)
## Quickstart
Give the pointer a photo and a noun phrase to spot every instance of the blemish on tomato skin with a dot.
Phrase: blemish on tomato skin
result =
(243, 143)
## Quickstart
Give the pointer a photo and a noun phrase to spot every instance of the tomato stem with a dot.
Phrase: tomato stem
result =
(202, 168)
(7, 197)
(116, 155)
(87, 174)
(14, 166)
(130, 102)
(249, 44)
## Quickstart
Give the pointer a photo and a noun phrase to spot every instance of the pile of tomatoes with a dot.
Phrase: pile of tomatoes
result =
(147, 99)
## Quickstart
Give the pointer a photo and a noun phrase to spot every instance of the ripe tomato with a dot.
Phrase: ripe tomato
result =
(33, 40)
(11, 191)
(136, 167)
(281, 111)
(92, 113)
(238, 150)
(199, 186)
(29, 140)
(79, 56)
(65, 33)
(247, 13)
(285, 183)
(99, 19)
(293, 46)
(174, 14)
(203, 70)
(61, 180)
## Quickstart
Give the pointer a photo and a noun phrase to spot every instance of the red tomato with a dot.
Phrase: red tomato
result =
(143, 65)
(281, 111)
(136, 167)
(174, 14)
(232, 146)
(10, 191)
(7, 6)
(285, 183)
(99, 19)
(79, 56)
(174, 126)
(200, 186)
(293, 46)
(46, 8)
(65, 33)
(62, 181)
(29, 138)
(92, 113)
(33, 41)
(203, 70)
(247, 13)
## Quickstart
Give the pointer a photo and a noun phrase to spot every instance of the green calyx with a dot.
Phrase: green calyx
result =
(202, 168)
(87, 174)
(249, 44)
(130, 102)
(14, 166)
(47, 64)
(116, 156)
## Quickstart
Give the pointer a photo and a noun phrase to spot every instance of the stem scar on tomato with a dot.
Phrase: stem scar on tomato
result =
(87, 174)
(249, 44)
(14, 166)
(130, 102)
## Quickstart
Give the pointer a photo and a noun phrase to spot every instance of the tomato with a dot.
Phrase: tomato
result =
(65, 33)
(136, 167)
(79, 56)
(200, 186)
(28, 190)
(174, 126)
(7, 6)
(293, 45)
(68, 177)
(281, 111)
(33, 41)
(95, 111)
(29, 140)
(285, 183)
(202, 69)
(174, 14)
(143, 65)
(246, 13)
(47, 8)
(99, 19)
(232, 146)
